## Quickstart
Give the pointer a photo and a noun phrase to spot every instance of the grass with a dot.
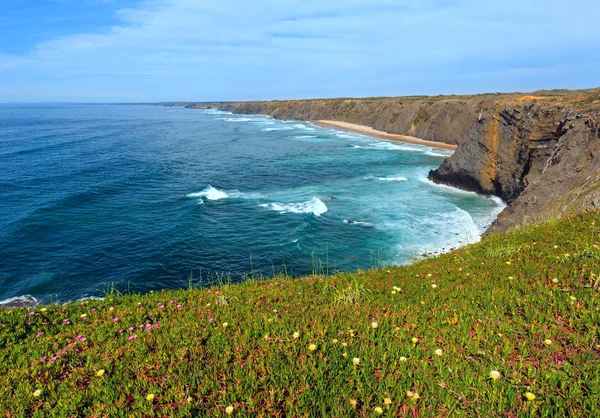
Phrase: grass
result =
(419, 340)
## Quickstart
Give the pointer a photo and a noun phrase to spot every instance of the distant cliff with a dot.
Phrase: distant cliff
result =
(540, 152)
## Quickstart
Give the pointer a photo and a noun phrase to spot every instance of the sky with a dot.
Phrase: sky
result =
(222, 50)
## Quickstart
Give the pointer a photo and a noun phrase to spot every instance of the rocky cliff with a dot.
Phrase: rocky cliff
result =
(540, 152)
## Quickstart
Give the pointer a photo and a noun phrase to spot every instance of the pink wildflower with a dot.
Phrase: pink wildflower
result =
(132, 337)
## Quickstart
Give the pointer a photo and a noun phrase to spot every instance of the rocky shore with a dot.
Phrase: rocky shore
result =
(540, 152)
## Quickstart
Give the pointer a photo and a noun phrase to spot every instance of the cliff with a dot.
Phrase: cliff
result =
(540, 152)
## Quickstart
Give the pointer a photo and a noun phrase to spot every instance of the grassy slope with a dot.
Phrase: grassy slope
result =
(494, 305)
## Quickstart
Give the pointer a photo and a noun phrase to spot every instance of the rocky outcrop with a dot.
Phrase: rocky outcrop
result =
(538, 152)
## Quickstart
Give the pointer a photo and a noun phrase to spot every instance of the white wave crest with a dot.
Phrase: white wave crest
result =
(400, 178)
(237, 119)
(314, 206)
(210, 193)
(301, 126)
(283, 128)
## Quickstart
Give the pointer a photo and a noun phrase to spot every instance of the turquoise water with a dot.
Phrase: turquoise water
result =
(143, 195)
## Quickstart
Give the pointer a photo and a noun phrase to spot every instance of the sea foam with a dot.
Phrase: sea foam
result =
(314, 206)
(210, 193)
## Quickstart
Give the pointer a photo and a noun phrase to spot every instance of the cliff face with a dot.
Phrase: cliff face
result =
(540, 152)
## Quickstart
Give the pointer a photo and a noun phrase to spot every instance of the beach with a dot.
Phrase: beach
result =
(367, 130)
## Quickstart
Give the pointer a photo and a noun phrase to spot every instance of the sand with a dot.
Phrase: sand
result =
(367, 130)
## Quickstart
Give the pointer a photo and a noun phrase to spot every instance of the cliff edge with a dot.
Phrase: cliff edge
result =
(540, 152)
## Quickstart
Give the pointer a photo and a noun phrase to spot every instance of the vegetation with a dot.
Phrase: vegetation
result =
(507, 327)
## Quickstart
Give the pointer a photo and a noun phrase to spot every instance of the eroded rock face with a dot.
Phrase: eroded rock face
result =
(540, 152)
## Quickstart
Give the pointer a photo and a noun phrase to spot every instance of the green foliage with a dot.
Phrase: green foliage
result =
(523, 304)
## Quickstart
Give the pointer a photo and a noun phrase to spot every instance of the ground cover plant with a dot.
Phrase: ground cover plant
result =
(507, 327)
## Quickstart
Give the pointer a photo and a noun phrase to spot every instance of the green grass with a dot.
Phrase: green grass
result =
(492, 307)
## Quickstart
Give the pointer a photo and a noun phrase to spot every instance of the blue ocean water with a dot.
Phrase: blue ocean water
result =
(142, 196)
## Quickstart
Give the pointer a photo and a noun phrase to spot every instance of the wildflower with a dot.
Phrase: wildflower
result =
(355, 361)
(415, 340)
(344, 354)
(132, 337)
(353, 402)
(296, 335)
(83, 316)
(393, 292)
(434, 285)
(547, 341)
(150, 397)
(374, 324)
(555, 280)
(229, 410)
(335, 341)
(52, 359)
(111, 309)
(312, 347)
(100, 372)
(43, 310)
(573, 298)
(37, 393)
(413, 395)
(44, 358)
(438, 352)
(378, 410)
(387, 401)
(530, 396)
(39, 334)
(495, 375)
(403, 359)
(225, 324)
(189, 399)
(115, 319)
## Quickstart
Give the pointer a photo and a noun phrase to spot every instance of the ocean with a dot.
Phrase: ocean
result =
(145, 197)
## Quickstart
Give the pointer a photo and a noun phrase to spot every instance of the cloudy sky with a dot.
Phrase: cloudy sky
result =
(167, 50)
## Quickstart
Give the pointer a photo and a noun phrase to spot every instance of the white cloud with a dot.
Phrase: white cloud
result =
(239, 49)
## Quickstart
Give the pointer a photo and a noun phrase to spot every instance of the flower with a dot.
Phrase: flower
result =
(225, 324)
(111, 309)
(37, 393)
(43, 310)
(495, 375)
(530, 396)
(434, 285)
(547, 341)
(403, 358)
(374, 324)
(229, 410)
(132, 337)
(83, 315)
(415, 340)
(312, 347)
(100, 372)
(150, 397)
(355, 360)
(296, 335)
(345, 354)
(335, 341)
(387, 401)
(378, 410)
(555, 280)
(413, 395)
(438, 352)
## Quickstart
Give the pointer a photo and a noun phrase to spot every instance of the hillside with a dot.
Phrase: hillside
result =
(538, 151)
(506, 327)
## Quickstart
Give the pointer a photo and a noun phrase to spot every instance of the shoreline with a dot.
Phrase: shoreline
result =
(367, 130)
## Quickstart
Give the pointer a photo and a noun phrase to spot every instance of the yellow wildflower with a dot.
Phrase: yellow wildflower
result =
(312, 347)
(378, 410)
(100, 372)
(296, 335)
(150, 397)
(229, 410)
(530, 396)
(495, 374)
(37, 393)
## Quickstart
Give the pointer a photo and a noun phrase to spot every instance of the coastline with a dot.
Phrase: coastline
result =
(367, 130)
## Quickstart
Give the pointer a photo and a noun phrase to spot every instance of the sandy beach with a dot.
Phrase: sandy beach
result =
(367, 130)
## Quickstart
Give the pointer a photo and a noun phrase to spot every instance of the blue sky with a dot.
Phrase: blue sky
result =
(167, 50)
